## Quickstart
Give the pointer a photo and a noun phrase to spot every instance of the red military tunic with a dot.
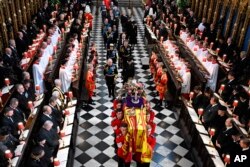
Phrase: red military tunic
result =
(153, 126)
(158, 74)
(151, 141)
(123, 150)
(116, 123)
(151, 63)
(162, 85)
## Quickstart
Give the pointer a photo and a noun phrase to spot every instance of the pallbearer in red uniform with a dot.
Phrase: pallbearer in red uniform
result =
(150, 124)
(161, 86)
(123, 142)
(90, 83)
(116, 122)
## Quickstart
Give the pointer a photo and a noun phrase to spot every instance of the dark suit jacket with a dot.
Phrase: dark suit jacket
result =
(51, 136)
(9, 61)
(45, 118)
(15, 54)
(19, 115)
(200, 102)
(23, 103)
(163, 33)
(26, 37)
(5, 121)
(21, 46)
(209, 114)
(218, 123)
(225, 139)
(229, 85)
(241, 66)
(7, 72)
(57, 115)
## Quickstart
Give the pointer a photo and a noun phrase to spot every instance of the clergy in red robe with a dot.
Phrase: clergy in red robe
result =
(90, 83)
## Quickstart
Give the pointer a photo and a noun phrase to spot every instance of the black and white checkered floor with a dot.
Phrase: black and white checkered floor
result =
(95, 141)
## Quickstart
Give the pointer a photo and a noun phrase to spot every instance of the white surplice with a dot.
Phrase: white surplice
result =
(38, 77)
(185, 86)
(65, 76)
(212, 81)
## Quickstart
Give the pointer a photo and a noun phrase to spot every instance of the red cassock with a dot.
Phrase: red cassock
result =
(107, 4)
(89, 17)
(161, 87)
(90, 83)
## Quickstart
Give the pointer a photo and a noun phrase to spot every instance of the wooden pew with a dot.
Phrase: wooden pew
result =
(77, 85)
(200, 139)
(30, 127)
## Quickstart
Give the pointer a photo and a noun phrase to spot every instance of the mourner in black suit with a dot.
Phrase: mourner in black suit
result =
(29, 89)
(26, 36)
(128, 71)
(19, 115)
(38, 157)
(8, 60)
(201, 100)
(21, 44)
(229, 85)
(6, 72)
(56, 113)
(224, 139)
(7, 142)
(210, 112)
(47, 116)
(245, 150)
(23, 99)
(9, 121)
(242, 67)
(163, 32)
(241, 110)
(14, 53)
(50, 135)
(218, 122)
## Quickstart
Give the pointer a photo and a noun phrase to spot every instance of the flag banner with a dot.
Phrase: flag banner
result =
(137, 128)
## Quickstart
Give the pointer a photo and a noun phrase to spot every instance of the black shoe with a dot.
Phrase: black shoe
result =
(92, 103)
(109, 95)
(159, 103)
(166, 105)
